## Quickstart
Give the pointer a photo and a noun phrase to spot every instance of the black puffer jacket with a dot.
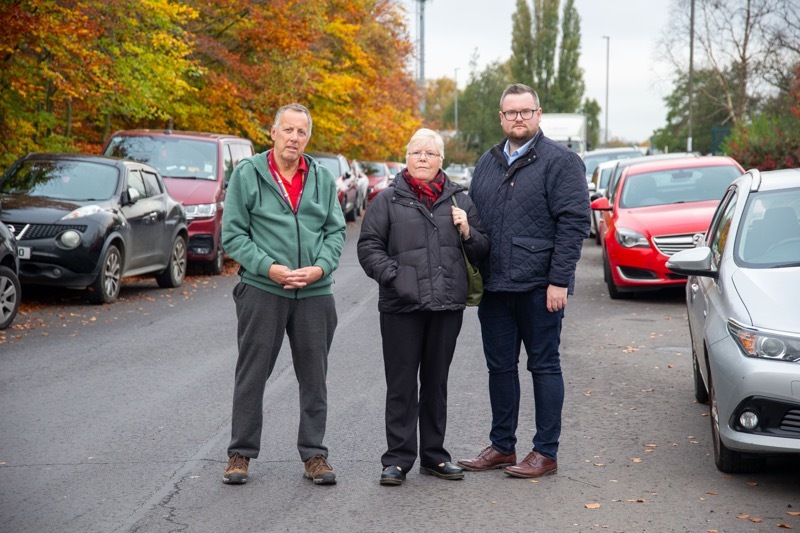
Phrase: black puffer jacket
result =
(415, 254)
(536, 213)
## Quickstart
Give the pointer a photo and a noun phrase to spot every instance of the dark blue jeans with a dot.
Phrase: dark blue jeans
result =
(508, 321)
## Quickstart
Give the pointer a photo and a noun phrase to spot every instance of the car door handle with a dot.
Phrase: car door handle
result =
(152, 217)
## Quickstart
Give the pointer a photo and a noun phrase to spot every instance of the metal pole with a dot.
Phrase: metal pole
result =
(608, 48)
(456, 102)
(421, 27)
(690, 87)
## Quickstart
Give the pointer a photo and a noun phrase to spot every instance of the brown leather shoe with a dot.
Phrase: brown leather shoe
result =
(534, 465)
(488, 459)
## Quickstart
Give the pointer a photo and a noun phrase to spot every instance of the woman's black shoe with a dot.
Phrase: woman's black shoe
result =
(392, 475)
(443, 470)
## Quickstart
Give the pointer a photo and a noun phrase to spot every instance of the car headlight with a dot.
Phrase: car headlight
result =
(200, 210)
(83, 211)
(631, 239)
(69, 239)
(765, 344)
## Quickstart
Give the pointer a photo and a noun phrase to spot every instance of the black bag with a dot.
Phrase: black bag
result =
(474, 279)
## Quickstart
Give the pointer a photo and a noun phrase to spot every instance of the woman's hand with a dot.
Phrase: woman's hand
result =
(460, 220)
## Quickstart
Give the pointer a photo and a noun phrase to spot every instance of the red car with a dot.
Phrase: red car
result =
(658, 208)
(379, 177)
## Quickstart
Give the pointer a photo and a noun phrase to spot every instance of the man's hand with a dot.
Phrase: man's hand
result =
(556, 298)
(294, 279)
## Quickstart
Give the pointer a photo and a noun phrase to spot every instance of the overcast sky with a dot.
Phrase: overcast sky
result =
(637, 82)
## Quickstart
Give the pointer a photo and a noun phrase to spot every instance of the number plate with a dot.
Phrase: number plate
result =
(24, 252)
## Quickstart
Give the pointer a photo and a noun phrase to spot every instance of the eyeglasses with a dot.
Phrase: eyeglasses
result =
(419, 155)
(526, 114)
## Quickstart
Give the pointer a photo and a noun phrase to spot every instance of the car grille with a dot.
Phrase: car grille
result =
(670, 244)
(791, 421)
(42, 231)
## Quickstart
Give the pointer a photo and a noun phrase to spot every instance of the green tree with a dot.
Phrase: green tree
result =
(545, 37)
(591, 109)
(522, 44)
(566, 94)
(479, 122)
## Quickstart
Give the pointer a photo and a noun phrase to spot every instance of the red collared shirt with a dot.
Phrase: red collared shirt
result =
(292, 190)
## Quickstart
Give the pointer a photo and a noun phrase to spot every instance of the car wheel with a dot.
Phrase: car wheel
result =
(700, 391)
(173, 275)
(105, 288)
(613, 291)
(596, 231)
(350, 216)
(214, 267)
(10, 292)
(727, 460)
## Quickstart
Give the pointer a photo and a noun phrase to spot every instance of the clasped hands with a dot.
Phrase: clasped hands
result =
(294, 279)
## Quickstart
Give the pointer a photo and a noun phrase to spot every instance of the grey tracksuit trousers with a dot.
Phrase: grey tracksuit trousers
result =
(264, 318)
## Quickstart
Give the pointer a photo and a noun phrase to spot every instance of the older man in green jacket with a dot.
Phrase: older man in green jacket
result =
(284, 226)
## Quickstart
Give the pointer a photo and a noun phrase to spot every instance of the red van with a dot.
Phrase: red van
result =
(196, 168)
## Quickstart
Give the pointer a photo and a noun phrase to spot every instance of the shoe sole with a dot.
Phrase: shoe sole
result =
(431, 472)
(391, 481)
(526, 476)
(495, 467)
(326, 479)
(235, 480)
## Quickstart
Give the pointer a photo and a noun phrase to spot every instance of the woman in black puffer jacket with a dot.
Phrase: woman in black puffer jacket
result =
(410, 243)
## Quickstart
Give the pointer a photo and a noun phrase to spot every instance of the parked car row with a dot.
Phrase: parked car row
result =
(732, 239)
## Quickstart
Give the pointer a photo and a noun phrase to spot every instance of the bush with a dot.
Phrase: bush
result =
(768, 142)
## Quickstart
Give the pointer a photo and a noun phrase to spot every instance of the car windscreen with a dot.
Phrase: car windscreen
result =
(331, 164)
(676, 186)
(62, 180)
(592, 160)
(173, 157)
(373, 169)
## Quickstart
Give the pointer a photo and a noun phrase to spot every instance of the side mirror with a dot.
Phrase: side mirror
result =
(693, 262)
(130, 197)
(601, 204)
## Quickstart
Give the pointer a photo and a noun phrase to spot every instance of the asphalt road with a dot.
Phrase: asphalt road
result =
(116, 419)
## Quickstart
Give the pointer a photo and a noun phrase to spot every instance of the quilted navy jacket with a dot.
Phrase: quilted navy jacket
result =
(536, 213)
(414, 253)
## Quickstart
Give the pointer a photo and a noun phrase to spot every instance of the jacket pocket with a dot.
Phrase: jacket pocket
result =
(406, 285)
(530, 258)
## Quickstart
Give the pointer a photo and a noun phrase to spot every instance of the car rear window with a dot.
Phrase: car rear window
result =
(173, 157)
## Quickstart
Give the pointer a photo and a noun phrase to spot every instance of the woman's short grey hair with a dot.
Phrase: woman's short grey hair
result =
(293, 107)
(426, 136)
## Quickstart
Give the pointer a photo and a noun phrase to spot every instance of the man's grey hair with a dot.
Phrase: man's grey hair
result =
(293, 107)
(519, 88)
(425, 136)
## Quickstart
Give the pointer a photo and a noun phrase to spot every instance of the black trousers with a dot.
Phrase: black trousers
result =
(415, 344)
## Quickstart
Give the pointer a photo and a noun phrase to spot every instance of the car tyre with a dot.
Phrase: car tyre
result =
(613, 291)
(214, 267)
(350, 216)
(700, 391)
(10, 292)
(727, 460)
(105, 288)
(173, 275)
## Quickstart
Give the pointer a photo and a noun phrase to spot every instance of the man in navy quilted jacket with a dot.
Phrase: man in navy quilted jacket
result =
(533, 201)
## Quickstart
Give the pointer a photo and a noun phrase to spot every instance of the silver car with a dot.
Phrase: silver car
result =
(744, 318)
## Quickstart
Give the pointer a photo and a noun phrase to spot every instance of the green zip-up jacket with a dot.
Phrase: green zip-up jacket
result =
(259, 229)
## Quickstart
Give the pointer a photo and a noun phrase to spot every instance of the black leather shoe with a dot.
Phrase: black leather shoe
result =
(443, 470)
(392, 475)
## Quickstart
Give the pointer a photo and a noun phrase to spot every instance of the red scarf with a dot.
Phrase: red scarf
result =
(427, 191)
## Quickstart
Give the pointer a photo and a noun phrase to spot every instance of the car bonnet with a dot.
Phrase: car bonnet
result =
(770, 296)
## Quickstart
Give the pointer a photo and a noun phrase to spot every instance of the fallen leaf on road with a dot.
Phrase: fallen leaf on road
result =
(637, 500)
(651, 445)
(794, 513)
(712, 493)
(785, 526)
(743, 516)
(757, 520)
(592, 506)
(636, 460)
(752, 483)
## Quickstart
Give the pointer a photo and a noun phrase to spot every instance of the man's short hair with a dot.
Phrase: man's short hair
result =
(519, 88)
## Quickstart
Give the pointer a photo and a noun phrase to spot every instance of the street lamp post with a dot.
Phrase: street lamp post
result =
(608, 46)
